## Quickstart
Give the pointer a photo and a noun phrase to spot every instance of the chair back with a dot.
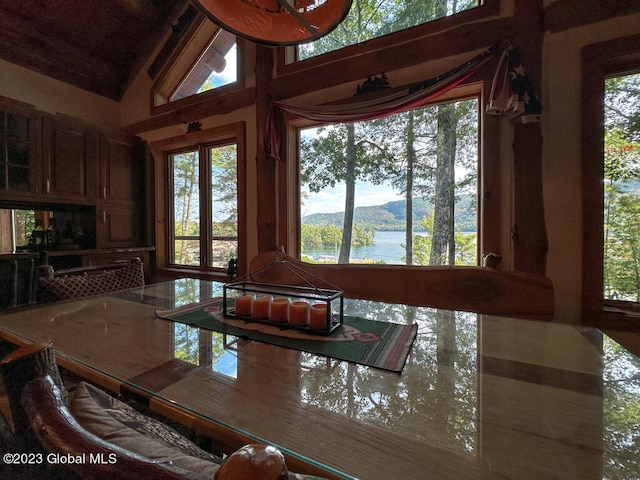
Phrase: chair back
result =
(88, 281)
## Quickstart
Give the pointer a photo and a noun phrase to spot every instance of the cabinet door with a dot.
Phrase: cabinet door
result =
(121, 169)
(69, 160)
(118, 227)
(19, 168)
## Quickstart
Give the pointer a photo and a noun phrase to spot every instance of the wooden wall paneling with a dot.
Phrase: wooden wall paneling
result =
(567, 14)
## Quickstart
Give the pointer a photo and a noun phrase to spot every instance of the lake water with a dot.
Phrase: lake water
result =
(387, 246)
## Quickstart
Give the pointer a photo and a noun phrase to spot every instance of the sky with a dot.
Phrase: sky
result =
(331, 200)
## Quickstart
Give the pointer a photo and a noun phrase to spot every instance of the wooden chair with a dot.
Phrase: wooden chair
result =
(474, 289)
(86, 281)
(43, 423)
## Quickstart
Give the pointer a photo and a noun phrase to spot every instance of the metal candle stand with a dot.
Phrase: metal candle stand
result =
(311, 294)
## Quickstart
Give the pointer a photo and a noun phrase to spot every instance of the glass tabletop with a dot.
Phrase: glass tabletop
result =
(479, 395)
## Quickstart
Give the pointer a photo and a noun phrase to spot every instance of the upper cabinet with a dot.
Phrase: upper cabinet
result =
(55, 159)
(121, 189)
(69, 160)
(19, 154)
(120, 169)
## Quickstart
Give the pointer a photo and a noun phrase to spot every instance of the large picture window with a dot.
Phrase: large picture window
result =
(204, 211)
(398, 190)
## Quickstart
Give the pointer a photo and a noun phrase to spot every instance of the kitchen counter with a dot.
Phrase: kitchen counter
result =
(59, 251)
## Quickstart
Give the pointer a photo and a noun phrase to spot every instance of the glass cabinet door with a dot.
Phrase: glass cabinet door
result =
(17, 167)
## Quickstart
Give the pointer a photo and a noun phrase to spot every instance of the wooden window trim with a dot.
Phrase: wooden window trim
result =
(601, 60)
(489, 174)
(488, 9)
(232, 133)
(208, 96)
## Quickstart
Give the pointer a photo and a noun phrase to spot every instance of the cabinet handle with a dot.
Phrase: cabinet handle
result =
(104, 192)
(48, 186)
(104, 216)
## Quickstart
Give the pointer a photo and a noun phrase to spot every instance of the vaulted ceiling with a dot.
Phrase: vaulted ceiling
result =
(96, 45)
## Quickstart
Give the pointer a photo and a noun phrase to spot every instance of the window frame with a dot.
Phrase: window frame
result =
(201, 141)
(202, 33)
(204, 204)
(490, 203)
(600, 61)
(287, 57)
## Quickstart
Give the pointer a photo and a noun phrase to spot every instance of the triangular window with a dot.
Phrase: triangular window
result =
(215, 68)
(208, 60)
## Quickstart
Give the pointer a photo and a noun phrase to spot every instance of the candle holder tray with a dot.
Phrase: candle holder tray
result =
(332, 298)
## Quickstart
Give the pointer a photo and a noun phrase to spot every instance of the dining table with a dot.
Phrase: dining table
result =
(479, 396)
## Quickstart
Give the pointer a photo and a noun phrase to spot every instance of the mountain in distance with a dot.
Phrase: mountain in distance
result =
(392, 215)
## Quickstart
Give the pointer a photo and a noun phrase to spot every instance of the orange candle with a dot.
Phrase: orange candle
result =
(261, 306)
(280, 309)
(318, 316)
(299, 313)
(243, 305)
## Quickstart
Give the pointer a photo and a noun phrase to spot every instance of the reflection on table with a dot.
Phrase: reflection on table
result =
(480, 396)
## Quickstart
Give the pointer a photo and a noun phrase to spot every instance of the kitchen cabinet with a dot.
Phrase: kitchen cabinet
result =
(19, 153)
(120, 221)
(69, 160)
(52, 160)
(118, 226)
(121, 169)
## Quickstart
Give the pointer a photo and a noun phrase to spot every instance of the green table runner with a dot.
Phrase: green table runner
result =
(376, 344)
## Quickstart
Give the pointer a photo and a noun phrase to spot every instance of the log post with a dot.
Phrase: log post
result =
(265, 165)
(529, 231)
(530, 234)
